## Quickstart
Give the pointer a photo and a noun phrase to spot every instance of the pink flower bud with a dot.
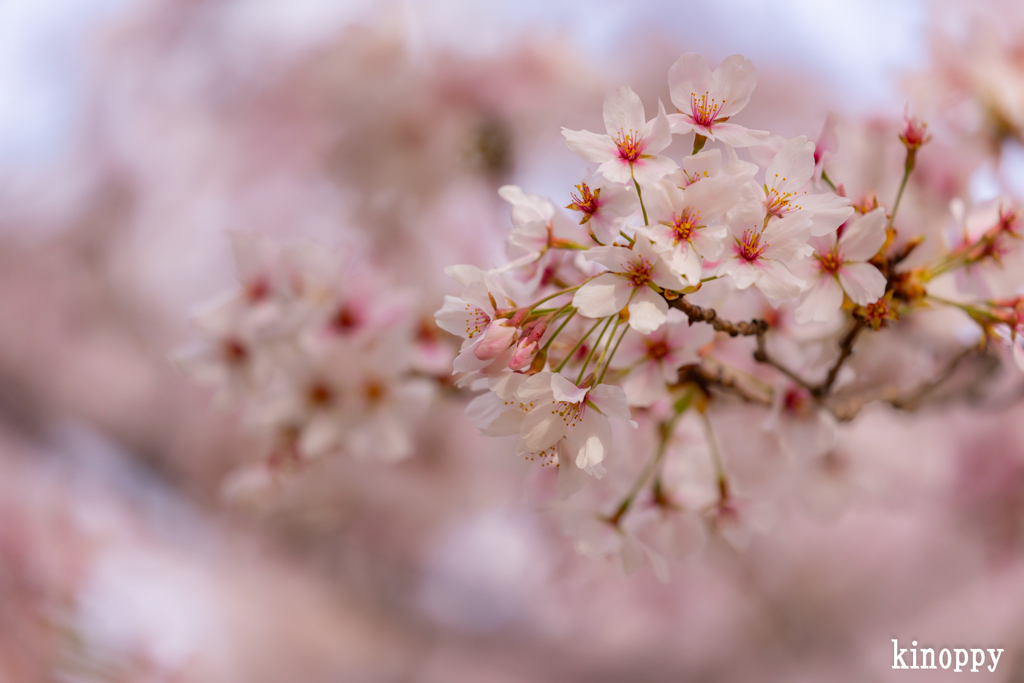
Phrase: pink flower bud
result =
(498, 336)
(915, 132)
(523, 356)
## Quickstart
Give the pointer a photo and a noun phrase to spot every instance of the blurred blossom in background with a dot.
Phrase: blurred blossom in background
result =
(187, 187)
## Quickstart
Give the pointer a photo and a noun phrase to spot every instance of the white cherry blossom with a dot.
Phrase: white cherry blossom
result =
(765, 256)
(630, 284)
(686, 223)
(580, 414)
(630, 149)
(707, 99)
(785, 190)
(839, 266)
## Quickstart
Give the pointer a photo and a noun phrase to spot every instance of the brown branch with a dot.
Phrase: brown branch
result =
(761, 356)
(744, 328)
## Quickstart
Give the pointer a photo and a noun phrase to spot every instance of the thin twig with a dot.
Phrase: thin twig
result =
(745, 328)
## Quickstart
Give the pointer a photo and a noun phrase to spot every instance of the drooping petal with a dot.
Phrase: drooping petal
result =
(592, 438)
(821, 302)
(610, 400)
(617, 170)
(604, 295)
(542, 427)
(777, 283)
(863, 283)
(686, 262)
(863, 236)
(647, 311)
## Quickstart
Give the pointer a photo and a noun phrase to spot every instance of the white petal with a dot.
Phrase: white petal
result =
(565, 391)
(591, 146)
(624, 112)
(592, 438)
(690, 74)
(610, 400)
(736, 79)
(649, 170)
(647, 311)
(738, 136)
(821, 301)
(863, 283)
(828, 211)
(657, 133)
(615, 259)
(863, 236)
(617, 170)
(604, 295)
(792, 167)
(777, 283)
(542, 427)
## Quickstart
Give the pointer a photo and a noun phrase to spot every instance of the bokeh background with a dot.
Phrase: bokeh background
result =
(134, 134)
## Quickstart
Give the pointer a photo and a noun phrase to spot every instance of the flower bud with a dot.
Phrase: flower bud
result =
(498, 336)
(523, 356)
(915, 132)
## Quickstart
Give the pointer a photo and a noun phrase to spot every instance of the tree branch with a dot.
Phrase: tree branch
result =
(744, 328)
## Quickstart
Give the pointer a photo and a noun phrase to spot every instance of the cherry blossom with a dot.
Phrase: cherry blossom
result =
(630, 149)
(604, 207)
(784, 193)
(765, 257)
(687, 223)
(839, 265)
(633, 275)
(707, 99)
(559, 409)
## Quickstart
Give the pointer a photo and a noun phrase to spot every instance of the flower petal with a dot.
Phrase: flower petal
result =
(624, 113)
(647, 311)
(863, 283)
(863, 236)
(793, 166)
(591, 146)
(738, 136)
(821, 301)
(604, 295)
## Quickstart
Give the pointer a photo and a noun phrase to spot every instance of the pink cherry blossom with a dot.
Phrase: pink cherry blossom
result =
(839, 265)
(633, 274)
(707, 99)
(630, 149)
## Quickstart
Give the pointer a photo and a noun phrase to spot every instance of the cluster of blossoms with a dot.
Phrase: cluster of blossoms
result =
(608, 318)
(317, 356)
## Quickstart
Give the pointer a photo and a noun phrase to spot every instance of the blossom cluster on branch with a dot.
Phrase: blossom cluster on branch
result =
(603, 345)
